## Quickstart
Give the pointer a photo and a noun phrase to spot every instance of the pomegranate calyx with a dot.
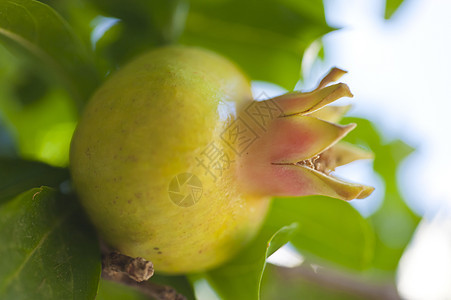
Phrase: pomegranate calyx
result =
(297, 150)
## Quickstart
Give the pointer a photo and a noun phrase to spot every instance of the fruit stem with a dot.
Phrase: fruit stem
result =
(135, 273)
(137, 268)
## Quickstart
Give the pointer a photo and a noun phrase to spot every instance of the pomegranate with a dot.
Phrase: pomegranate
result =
(175, 162)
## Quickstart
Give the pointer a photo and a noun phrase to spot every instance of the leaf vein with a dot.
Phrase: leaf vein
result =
(57, 223)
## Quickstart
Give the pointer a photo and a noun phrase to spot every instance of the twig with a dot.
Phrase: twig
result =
(344, 281)
(135, 273)
(148, 288)
(137, 268)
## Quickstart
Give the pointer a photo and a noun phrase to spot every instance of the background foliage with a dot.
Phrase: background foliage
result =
(53, 56)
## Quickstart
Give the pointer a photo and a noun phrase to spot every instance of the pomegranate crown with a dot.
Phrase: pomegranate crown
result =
(298, 150)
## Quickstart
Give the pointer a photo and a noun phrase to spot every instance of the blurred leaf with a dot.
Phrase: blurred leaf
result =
(17, 176)
(169, 18)
(241, 277)
(277, 285)
(144, 25)
(161, 17)
(180, 283)
(43, 128)
(36, 29)
(394, 223)
(31, 87)
(266, 38)
(399, 150)
(84, 16)
(329, 229)
(364, 135)
(7, 143)
(78, 13)
(109, 290)
(48, 249)
(391, 6)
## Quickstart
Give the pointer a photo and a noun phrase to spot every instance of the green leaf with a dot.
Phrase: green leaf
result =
(169, 18)
(143, 25)
(36, 29)
(394, 223)
(48, 249)
(109, 290)
(163, 18)
(329, 229)
(17, 176)
(31, 87)
(42, 129)
(7, 143)
(266, 38)
(391, 6)
(241, 277)
(281, 283)
(180, 283)
(79, 14)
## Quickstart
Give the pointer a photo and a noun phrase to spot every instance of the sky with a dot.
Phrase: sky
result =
(399, 72)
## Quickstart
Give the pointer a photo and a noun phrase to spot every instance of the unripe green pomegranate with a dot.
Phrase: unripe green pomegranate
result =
(175, 162)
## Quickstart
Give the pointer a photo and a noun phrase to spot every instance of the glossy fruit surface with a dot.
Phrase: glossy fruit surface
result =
(175, 162)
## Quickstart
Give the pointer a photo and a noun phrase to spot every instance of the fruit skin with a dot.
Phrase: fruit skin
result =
(144, 126)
